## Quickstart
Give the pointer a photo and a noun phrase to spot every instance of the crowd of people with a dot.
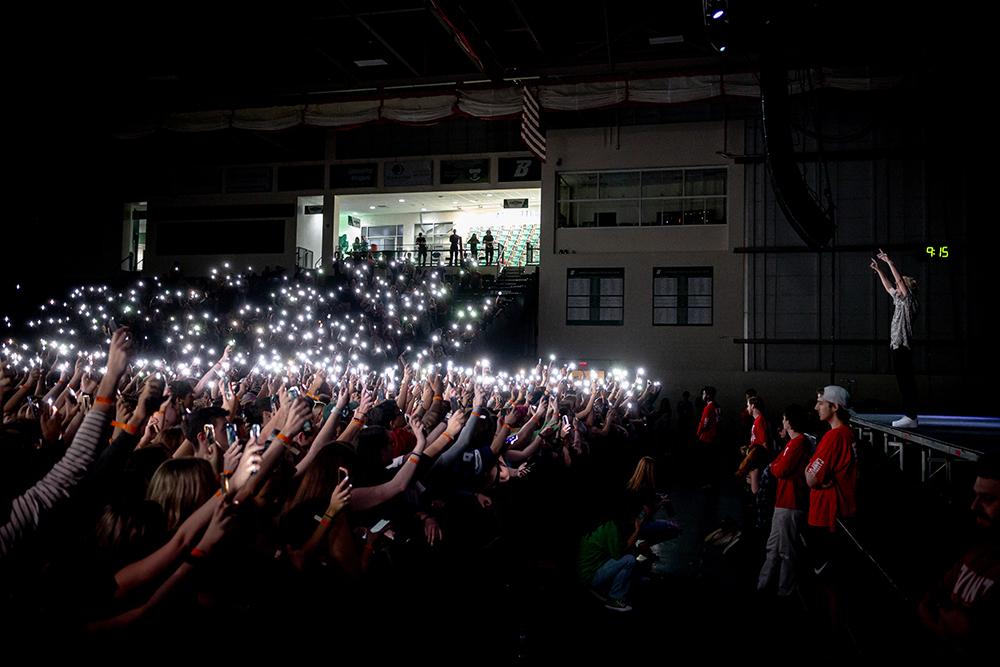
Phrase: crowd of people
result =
(252, 443)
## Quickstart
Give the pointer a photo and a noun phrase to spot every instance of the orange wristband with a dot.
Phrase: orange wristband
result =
(131, 430)
(438, 398)
(283, 438)
(104, 400)
(415, 458)
(448, 435)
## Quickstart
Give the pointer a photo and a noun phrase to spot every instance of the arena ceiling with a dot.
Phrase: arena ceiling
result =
(173, 58)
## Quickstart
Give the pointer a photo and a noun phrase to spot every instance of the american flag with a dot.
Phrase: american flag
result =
(531, 124)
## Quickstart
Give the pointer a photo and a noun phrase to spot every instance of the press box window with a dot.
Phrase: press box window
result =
(682, 296)
(595, 296)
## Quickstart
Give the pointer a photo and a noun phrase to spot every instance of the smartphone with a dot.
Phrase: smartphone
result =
(565, 420)
(85, 402)
(378, 527)
(231, 433)
(511, 440)
(255, 432)
(293, 392)
(209, 433)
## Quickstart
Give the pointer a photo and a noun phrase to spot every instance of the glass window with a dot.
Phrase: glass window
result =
(578, 186)
(653, 197)
(619, 185)
(704, 182)
(386, 237)
(682, 296)
(663, 183)
(595, 296)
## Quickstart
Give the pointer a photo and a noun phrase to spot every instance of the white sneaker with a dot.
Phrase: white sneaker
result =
(905, 422)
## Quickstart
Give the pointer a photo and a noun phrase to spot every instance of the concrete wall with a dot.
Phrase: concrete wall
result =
(682, 356)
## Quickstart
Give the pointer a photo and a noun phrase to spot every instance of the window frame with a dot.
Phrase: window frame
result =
(596, 274)
(656, 204)
(683, 272)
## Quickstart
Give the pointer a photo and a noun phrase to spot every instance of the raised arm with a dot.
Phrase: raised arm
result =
(885, 281)
(898, 279)
(28, 509)
(219, 365)
(371, 496)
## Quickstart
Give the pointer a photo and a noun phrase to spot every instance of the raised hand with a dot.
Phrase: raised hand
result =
(456, 421)
(224, 359)
(340, 499)
(51, 424)
(231, 458)
(122, 410)
(219, 526)
(298, 413)
(417, 426)
(119, 352)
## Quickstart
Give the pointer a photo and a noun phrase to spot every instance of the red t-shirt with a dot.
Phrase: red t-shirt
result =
(708, 427)
(758, 432)
(833, 463)
(789, 468)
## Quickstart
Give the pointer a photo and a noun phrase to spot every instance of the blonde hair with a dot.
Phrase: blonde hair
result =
(180, 486)
(910, 282)
(644, 476)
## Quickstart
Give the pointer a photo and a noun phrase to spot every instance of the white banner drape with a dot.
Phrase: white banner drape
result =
(503, 102)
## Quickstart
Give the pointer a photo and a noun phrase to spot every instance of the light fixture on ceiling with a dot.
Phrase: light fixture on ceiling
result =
(716, 10)
(372, 62)
(667, 39)
(716, 13)
(402, 201)
(372, 207)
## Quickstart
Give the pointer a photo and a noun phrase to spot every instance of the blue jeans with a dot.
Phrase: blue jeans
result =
(619, 573)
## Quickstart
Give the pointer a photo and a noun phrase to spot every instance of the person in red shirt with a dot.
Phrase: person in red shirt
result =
(708, 431)
(784, 544)
(832, 472)
(832, 475)
(964, 609)
(756, 452)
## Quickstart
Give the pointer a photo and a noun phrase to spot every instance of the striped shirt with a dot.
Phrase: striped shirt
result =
(28, 510)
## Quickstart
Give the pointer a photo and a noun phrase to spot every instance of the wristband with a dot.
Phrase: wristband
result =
(104, 400)
(131, 430)
(415, 458)
(448, 435)
(195, 556)
(287, 444)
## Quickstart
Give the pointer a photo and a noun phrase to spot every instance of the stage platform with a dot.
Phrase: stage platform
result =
(940, 439)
